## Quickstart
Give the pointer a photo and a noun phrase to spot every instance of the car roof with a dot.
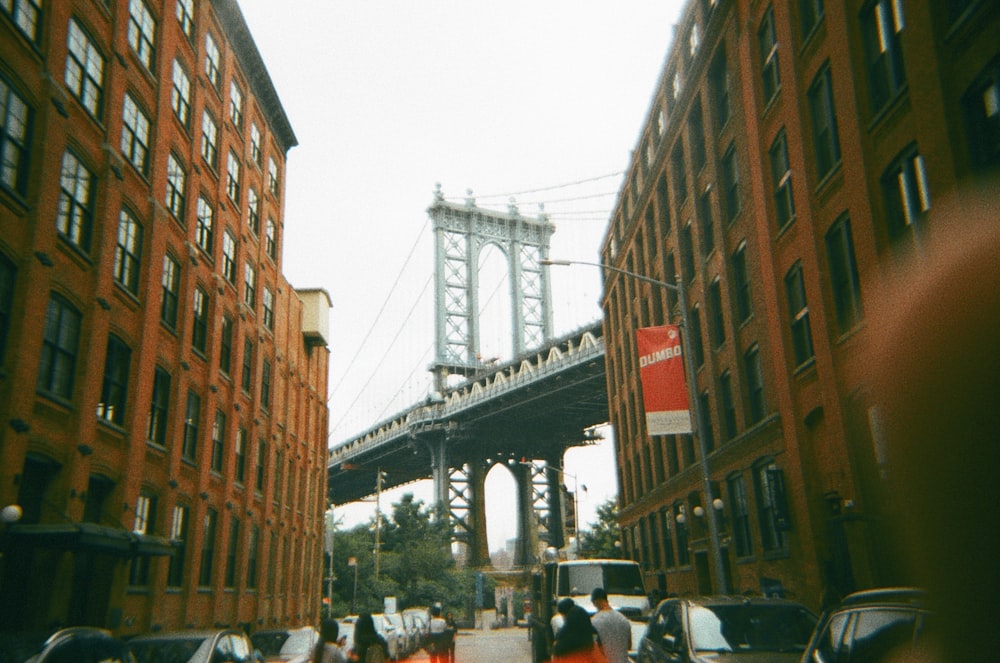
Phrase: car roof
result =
(184, 635)
(893, 595)
(733, 600)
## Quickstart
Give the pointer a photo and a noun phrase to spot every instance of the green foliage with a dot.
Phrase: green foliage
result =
(415, 563)
(603, 539)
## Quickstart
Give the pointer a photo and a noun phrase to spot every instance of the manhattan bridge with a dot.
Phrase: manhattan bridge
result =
(523, 413)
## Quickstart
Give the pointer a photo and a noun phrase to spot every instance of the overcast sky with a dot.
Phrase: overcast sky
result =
(389, 98)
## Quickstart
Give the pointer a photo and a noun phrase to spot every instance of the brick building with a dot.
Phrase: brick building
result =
(793, 152)
(162, 386)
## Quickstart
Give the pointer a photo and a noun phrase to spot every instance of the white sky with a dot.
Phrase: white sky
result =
(388, 98)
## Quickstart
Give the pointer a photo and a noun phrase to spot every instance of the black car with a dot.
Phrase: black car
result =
(868, 625)
(726, 628)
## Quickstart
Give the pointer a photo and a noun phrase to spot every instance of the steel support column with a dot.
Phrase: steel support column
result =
(526, 550)
(554, 480)
(479, 549)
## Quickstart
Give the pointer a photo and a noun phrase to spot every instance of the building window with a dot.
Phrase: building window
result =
(185, 16)
(199, 333)
(679, 171)
(209, 140)
(15, 130)
(826, 142)
(241, 455)
(208, 548)
(128, 252)
(770, 491)
(84, 69)
(696, 132)
(159, 408)
(273, 178)
(249, 285)
(727, 405)
(718, 322)
(204, 233)
(253, 210)
(226, 345)
(114, 389)
(171, 291)
(810, 16)
(135, 134)
(143, 525)
(142, 32)
(844, 275)
(265, 385)
(719, 86)
(741, 284)
(687, 252)
(271, 239)
(233, 178)
(252, 557)
(730, 184)
(212, 60)
(234, 544)
(247, 380)
(178, 540)
(268, 308)
(669, 560)
(192, 418)
(256, 155)
(670, 270)
(754, 380)
(740, 510)
(781, 181)
(907, 196)
(707, 224)
(705, 425)
(982, 113)
(60, 342)
(768, 43)
(798, 313)
(176, 184)
(8, 273)
(180, 95)
(881, 24)
(25, 14)
(75, 217)
(218, 440)
(697, 347)
(680, 517)
(229, 256)
(261, 466)
(236, 104)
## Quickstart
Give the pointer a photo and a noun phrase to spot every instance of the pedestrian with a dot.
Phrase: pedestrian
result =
(562, 609)
(438, 636)
(613, 628)
(575, 642)
(328, 647)
(369, 646)
(452, 631)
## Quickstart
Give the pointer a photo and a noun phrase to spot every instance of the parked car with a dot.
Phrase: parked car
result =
(289, 645)
(394, 638)
(726, 628)
(77, 644)
(867, 625)
(404, 634)
(229, 644)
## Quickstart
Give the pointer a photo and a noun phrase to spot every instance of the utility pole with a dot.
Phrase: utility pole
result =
(378, 520)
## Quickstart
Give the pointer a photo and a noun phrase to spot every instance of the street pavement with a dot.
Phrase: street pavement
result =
(504, 645)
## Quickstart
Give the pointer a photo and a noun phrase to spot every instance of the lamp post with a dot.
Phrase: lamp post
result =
(353, 561)
(714, 546)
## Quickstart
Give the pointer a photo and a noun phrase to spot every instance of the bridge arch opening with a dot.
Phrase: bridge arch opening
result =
(495, 314)
(501, 512)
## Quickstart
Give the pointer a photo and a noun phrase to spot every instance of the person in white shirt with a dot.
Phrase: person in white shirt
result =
(328, 647)
(613, 628)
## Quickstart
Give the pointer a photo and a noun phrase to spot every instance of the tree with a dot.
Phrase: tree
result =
(603, 538)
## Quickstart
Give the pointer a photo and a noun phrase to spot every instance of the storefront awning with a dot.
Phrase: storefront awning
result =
(87, 536)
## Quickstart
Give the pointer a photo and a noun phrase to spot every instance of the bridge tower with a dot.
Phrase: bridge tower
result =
(461, 233)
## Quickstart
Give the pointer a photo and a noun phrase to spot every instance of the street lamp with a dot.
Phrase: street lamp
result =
(353, 561)
(714, 547)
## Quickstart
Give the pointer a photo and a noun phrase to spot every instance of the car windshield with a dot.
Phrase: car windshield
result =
(269, 642)
(301, 641)
(741, 628)
(167, 650)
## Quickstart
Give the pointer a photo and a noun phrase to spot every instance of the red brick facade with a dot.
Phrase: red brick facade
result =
(794, 151)
(139, 281)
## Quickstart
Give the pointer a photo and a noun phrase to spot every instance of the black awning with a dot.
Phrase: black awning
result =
(87, 536)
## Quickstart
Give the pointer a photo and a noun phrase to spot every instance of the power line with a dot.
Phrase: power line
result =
(551, 188)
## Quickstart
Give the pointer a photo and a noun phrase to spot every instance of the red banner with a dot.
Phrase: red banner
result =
(661, 371)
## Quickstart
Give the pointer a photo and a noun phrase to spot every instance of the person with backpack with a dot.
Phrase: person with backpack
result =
(369, 646)
(437, 630)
